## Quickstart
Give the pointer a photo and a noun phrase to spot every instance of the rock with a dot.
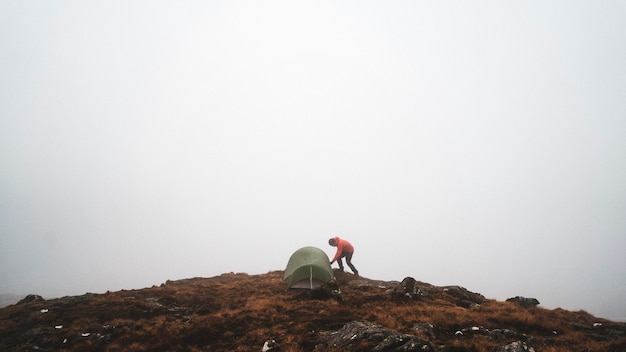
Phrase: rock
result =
(403, 342)
(356, 330)
(365, 333)
(463, 296)
(30, 298)
(524, 302)
(517, 346)
(71, 301)
(328, 290)
(495, 334)
(426, 329)
(270, 345)
(472, 330)
(407, 288)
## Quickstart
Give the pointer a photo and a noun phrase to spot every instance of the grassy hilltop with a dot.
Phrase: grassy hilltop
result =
(240, 312)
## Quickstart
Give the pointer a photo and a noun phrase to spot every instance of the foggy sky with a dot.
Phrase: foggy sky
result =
(479, 143)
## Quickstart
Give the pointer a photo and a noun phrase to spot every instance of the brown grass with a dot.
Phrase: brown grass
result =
(238, 312)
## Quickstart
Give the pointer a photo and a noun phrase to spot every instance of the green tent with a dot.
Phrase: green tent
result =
(308, 267)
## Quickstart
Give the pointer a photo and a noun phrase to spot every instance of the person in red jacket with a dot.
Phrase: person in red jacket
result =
(344, 250)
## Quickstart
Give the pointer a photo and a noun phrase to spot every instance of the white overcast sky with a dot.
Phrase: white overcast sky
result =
(472, 143)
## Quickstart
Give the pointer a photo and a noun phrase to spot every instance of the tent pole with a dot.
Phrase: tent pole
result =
(311, 276)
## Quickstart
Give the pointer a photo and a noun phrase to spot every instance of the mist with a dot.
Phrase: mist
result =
(477, 144)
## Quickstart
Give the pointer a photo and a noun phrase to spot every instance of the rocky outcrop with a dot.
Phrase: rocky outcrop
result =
(463, 296)
(425, 329)
(493, 334)
(31, 298)
(270, 345)
(518, 346)
(407, 288)
(368, 335)
(524, 302)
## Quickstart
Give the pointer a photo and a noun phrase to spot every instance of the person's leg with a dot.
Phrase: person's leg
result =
(349, 262)
(340, 262)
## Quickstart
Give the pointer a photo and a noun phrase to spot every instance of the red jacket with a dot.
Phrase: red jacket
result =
(343, 246)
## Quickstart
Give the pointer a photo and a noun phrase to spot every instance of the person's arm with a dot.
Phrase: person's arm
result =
(338, 254)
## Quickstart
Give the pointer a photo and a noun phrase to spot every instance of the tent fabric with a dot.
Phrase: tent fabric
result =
(308, 267)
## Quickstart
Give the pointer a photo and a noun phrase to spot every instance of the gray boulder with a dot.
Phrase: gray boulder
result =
(425, 329)
(464, 297)
(407, 288)
(270, 345)
(517, 346)
(524, 302)
(365, 333)
(31, 298)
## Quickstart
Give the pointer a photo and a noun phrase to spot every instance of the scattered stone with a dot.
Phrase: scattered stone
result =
(495, 334)
(472, 330)
(426, 329)
(465, 298)
(378, 338)
(524, 302)
(103, 338)
(517, 346)
(328, 290)
(270, 345)
(153, 303)
(407, 288)
(30, 298)
(403, 342)
(356, 330)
